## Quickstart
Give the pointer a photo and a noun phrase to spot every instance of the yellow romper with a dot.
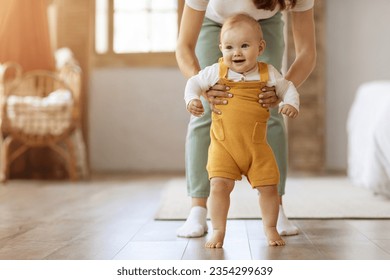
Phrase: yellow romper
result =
(239, 135)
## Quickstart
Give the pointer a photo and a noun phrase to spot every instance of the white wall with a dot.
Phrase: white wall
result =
(138, 119)
(358, 44)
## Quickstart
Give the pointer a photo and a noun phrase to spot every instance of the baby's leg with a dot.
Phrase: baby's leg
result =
(269, 205)
(219, 202)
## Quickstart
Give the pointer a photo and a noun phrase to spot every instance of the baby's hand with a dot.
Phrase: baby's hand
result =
(289, 111)
(195, 107)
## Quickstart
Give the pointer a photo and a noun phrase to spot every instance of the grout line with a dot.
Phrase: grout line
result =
(247, 236)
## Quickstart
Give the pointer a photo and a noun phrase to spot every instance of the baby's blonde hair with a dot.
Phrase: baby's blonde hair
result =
(231, 21)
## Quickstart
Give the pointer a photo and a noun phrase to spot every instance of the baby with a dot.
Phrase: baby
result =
(238, 135)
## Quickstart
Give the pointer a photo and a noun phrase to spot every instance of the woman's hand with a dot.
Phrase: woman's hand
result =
(217, 95)
(268, 97)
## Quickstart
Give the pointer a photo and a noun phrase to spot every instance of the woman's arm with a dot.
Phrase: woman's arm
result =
(190, 27)
(305, 55)
(305, 47)
(191, 23)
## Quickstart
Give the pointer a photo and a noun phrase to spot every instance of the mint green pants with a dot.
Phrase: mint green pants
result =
(198, 134)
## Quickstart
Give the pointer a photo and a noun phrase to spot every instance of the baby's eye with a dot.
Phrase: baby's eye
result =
(228, 47)
(245, 46)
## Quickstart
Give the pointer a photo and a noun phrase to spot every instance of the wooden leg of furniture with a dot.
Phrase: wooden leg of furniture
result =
(4, 172)
(71, 159)
(81, 154)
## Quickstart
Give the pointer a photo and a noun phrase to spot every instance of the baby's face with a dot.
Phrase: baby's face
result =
(240, 48)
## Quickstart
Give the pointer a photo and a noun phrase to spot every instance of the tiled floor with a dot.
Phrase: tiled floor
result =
(112, 218)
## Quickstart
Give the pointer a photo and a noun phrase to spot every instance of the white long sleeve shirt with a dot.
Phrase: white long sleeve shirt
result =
(219, 10)
(209, 76)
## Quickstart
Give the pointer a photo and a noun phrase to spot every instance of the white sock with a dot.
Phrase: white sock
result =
(196, 223)
(284, 226)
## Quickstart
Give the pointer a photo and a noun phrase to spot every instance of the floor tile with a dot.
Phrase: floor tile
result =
(372, 229)
(330, 229)
(158, 231)
(154, 250)
(232, 250)
(384, 244)
(30, 250)
(295, 249)
(350, 250)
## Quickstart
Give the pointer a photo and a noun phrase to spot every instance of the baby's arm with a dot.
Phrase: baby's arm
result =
(287, 92)
(196, 85)
(195, 107)
(288, 110)
(192, 96)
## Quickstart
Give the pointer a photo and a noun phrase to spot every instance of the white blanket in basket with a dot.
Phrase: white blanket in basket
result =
(39, 116)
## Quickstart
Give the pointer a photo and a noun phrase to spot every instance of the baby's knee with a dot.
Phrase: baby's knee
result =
(221, 185)
(268, 189)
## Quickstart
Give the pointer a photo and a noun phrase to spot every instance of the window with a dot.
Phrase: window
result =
(136, 33)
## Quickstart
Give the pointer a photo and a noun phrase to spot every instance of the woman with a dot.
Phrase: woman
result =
(197, 48)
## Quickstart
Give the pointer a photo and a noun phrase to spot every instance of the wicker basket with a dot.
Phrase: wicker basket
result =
(40, 115)
(41, 109)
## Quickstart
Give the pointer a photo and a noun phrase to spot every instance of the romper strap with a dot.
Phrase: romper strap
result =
(223, 69)
(263, 72)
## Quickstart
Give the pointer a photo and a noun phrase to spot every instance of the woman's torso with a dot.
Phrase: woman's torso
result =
(219, 10)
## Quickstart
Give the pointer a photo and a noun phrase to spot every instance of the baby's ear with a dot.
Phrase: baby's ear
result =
(220, 47)
(262, 45)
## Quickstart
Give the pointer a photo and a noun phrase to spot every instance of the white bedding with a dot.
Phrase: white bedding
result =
(41, 115)
(368, 130)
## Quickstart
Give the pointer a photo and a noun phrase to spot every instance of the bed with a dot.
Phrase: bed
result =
(368, 129)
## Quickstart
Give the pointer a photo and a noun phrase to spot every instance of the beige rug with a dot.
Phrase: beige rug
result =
(312, 197)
